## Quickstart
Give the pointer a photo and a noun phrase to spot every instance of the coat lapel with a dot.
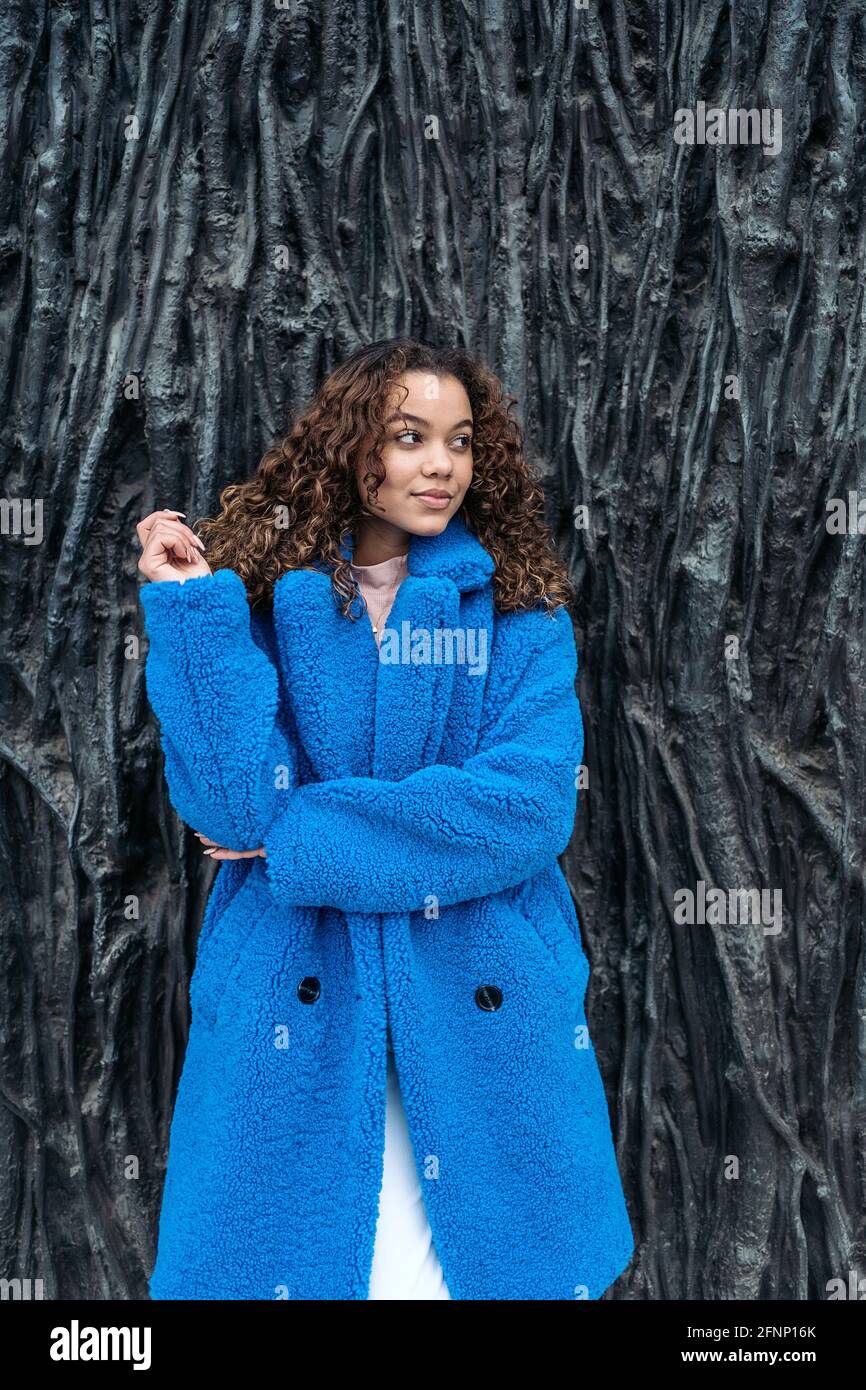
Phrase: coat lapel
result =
(361, 712)
(413, 693)
(329, 665)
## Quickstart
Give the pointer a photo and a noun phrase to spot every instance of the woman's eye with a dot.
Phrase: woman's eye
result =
(462, 441)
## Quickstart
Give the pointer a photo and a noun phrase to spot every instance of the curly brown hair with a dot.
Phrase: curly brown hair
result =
(295, 511)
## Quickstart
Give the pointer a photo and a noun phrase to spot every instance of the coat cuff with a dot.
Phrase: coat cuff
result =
(285, 857)
(304, 854)
(168, 600)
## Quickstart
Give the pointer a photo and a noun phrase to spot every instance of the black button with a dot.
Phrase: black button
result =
(488, 997)
(309, 990)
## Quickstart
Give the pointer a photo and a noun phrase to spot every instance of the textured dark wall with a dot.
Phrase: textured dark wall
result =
(204, 206)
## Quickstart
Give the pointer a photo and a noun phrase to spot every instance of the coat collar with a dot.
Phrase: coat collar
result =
(331, 664)
(454, 554)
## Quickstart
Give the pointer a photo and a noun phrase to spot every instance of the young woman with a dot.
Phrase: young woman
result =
(388, 1089)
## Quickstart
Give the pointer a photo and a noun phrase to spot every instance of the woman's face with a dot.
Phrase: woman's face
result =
(427, 456)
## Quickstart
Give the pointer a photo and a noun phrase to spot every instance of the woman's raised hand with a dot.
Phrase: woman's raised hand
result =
(170, 550)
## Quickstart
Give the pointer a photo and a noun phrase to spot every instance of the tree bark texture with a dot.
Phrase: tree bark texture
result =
(207, 205)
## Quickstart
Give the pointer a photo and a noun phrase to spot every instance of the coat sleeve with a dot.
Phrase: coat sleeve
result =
(450, 833)
(216, 693)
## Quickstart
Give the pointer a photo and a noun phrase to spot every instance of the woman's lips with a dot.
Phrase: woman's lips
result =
(432, 500)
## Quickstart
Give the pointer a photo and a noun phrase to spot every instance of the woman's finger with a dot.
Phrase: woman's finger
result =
(167, 526)
(217, 852)
(146, 527)
(171, 537)
(162, 528)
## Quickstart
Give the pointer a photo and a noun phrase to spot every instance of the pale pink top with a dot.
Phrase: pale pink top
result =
(379, 585)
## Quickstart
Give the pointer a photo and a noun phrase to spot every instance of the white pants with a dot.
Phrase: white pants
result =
(405, 1265)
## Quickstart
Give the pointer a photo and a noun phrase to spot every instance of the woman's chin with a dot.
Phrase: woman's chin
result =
(430, 525)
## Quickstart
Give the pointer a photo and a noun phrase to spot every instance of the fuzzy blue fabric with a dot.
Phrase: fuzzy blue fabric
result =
(412, 812)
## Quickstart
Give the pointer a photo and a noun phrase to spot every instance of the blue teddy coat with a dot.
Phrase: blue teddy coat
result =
(412, 811)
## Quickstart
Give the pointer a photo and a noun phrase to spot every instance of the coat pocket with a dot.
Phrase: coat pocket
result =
(546, 903)
(232, 915)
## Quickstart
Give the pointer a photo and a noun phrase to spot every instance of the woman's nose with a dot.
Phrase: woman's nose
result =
(437, 461)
